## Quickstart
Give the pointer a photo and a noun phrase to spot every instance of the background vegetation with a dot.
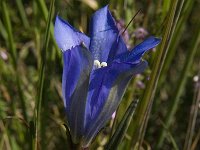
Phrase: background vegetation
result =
(167, 115)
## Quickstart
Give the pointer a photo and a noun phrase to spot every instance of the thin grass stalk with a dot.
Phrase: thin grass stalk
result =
(119, 134)
(158, 63)
(5, 37)
(165, 8)
(2, 140)
(14, 56)
(147, 114)
(188, 5)
(37, 34)
(22, 13)
(196, 140)
(38, 44)
(181, 84)
(8, 27)
(144, 124)
(175, 146)
(41, 76)
(42, 6)
(3, 31)
(193, 116)
(6, 138)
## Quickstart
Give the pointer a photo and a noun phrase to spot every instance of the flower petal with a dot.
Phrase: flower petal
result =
(136, 53)
(107, 86)
(77, 67)
(119, 47)
(103, 32)
(68, 37)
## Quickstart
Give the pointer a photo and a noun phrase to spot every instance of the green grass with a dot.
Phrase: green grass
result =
(31, 108)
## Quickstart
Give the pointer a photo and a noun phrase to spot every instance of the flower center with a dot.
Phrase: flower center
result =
(97, 64)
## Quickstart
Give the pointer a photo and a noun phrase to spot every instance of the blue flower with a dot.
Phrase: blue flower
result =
(96, 72)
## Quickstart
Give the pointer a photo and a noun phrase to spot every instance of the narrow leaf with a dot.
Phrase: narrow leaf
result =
(41, 76)
(122, 127)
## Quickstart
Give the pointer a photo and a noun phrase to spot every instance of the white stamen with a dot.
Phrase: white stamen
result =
(103, 64)
(97, 64)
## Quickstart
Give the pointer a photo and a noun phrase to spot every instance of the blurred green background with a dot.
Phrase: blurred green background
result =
(167, 116)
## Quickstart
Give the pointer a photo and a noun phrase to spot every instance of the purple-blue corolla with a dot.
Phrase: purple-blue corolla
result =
(96, 72)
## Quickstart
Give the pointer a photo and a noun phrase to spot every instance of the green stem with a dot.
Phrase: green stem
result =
(188, 5)
(181, 84)
(9, 32)
(22, 13)
(146, 118)
(158, 64)
(14, 56)
(193, 116)
(42, 6)
(122, 128)
(41, 76)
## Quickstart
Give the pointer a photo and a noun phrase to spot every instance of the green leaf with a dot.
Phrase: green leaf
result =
(181, 83)
(122, 127)
(41, 75)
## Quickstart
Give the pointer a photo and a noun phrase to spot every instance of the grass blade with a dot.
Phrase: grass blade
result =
(175, 146)
(42, 6)
(13, 56)
(144, 125)
(181, 84)
(193, 117)
(8, 27)
(148, 96)
(196, 140)
(122, 127)
(3, 31)
(188, 5)
(41, 76)
(22, 13)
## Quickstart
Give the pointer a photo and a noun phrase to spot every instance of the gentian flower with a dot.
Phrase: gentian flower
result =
(96, 72)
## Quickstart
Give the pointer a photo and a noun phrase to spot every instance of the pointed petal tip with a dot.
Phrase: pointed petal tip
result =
(154, 39)
(138, 51)
(59, 20)
(104, 32)
(146, 45)
(102, 20)
(105, 8)
(66, 36)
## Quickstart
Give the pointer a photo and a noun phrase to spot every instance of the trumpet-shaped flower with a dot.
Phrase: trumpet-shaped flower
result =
(96, 72)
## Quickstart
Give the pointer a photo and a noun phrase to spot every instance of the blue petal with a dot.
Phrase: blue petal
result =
(136, 53)
(77, 67)
(119, 47)
(103, 32)
(107, 86)
(68, 37)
